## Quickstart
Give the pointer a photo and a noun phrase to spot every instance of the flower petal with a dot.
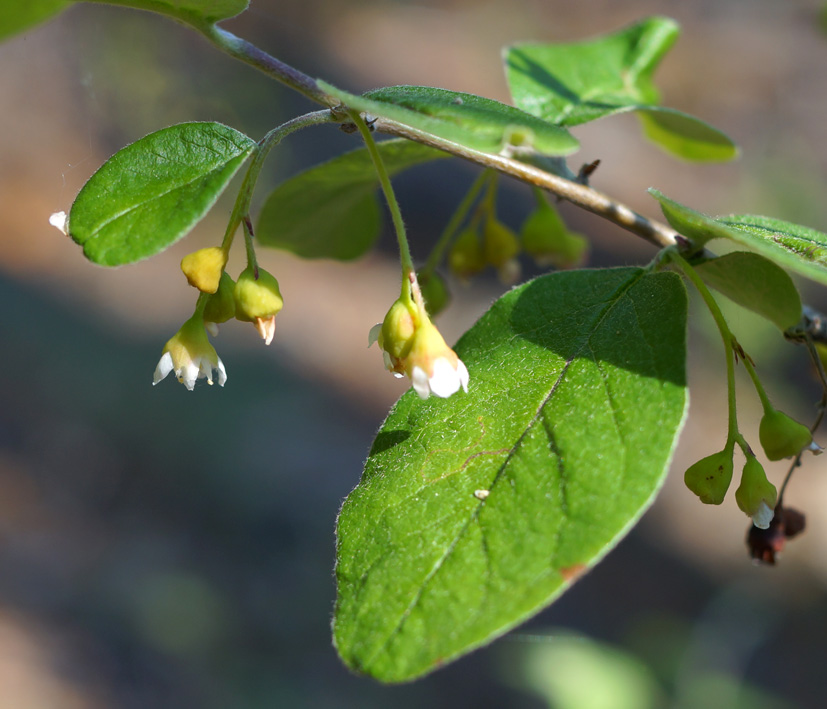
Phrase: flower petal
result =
(763, 516)
(60, 220)
(164, 367)
(373, 335)
(222, 373)
(419, 380)
(462, 373)
(445, 379)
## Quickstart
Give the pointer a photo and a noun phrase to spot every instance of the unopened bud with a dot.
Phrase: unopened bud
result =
(709, 478)
(434, 292)
(545, 237)
(203, 268)
(221, 304)
(500, 244)
(258, 300)
(782, 436)
(756, 496)
(465, 258)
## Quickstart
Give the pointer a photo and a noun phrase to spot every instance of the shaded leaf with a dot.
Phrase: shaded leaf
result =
(20, 15)
(755, 283)
(475, 512)
(152, 192)
(573, 83)
(193, 12)
(331, 210)
(791, 246)
(472, 121)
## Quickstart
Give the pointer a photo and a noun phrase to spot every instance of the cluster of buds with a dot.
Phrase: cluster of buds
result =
(543, 236)
(255, 297)
(412, 346)
(781, 437)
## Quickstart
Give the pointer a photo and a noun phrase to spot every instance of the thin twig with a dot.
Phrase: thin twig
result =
(583, 196)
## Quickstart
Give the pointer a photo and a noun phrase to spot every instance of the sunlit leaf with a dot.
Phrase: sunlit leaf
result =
(475, 512)
(572, 83)
(152, 192)
(472, 121)
(792, 246)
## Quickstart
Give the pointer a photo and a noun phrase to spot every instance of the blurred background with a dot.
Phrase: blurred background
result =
(161, 548)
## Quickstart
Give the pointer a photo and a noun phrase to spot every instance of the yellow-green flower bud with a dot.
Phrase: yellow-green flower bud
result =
(203, 268)
(709, 478)
(782, 436)
(395, 334)
(500, 244)
(465, 259)
(221, 304)
(434, 292)
(756, 496)
(258, 300)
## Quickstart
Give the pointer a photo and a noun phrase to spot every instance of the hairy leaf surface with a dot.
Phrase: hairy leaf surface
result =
(475, 512)
(791, 246)
(472, 121)
(152, 192)
(331, 210)
(572, 83)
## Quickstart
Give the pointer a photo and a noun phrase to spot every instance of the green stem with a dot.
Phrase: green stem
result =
(265, 145)
(246, 52)
(252, 262)
(457, 218)
(726, 335)
(762, 394)
(390, 197)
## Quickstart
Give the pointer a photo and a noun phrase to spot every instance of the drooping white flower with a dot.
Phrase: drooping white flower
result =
(191, 356)
(412, 346)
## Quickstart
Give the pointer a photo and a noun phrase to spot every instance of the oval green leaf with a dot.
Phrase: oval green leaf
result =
(152, 192)
(194, 12)
(19, 15)
(331, 210)
(755, 283)
(472, 121)
(792, 246)
(572, 83)
(475, 512)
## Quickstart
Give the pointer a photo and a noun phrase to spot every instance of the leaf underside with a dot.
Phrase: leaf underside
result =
(331, 210)
(576, 397)
(791, 246)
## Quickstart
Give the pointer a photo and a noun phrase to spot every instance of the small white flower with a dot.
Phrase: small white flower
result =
(763, 516)
(191, 356)
(60, 220)
(444, 380)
